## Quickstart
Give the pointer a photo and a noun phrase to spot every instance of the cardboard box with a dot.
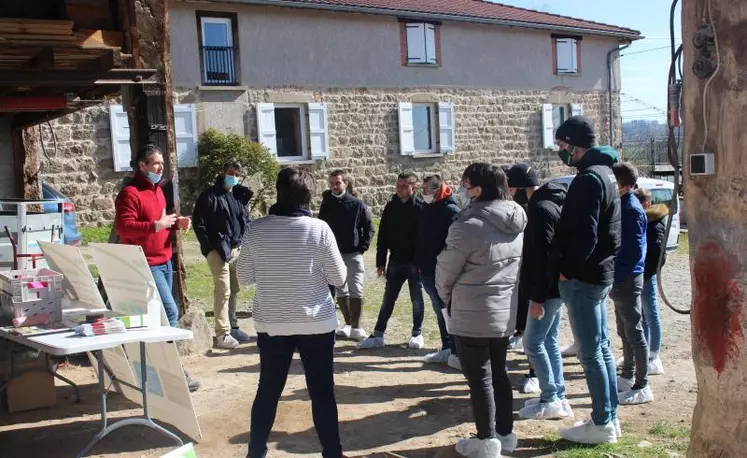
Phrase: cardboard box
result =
(32, 386)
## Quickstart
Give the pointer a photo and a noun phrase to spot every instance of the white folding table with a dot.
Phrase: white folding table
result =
(67, 343)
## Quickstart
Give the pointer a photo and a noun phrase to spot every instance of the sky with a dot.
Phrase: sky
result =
(644, 67)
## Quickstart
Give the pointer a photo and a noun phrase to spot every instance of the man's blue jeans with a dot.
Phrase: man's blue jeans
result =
(429, 285)
(397, 273)
(586, 305)
(651, 320)
(163, 274)
(543, 350)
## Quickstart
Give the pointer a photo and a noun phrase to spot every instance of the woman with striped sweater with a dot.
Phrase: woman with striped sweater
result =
(293, 258)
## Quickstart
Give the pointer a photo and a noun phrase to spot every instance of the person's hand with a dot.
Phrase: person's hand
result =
(381, 271)
(563, 277)
(184, 222)
(166, 221)
(536, 310)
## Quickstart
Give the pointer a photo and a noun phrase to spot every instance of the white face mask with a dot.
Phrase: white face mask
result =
(428, 198)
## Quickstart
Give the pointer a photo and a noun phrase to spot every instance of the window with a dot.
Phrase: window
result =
(293, 132)
(553, 116)
(567, 55)
(421, 44)
(426, 128)
(218, 49)
(185, 128)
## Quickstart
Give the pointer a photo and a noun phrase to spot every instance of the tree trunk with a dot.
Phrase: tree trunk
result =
(717, 211)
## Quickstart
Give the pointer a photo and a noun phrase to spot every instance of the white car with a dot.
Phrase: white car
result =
(661, 193)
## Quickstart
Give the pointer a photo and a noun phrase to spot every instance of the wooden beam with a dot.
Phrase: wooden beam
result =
(98, 37)
(102, 64)
(43, 59)
(29, 78)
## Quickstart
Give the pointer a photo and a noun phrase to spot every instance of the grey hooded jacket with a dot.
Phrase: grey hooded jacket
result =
(478, 271)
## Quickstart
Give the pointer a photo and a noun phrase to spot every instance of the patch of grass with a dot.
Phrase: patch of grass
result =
(200, 286)
(684, 247)
(95, 234)
(627, 447)
(670, 431)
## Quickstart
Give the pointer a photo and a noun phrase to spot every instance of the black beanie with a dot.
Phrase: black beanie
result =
(577, 131)
(522, 176)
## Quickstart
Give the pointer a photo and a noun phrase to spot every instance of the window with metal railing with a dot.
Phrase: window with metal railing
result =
(218, 49)
(219, 66)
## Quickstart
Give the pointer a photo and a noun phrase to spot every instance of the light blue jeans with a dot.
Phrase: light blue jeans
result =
(542, 349)
(586, 306)
(651, 320)
(164, 276)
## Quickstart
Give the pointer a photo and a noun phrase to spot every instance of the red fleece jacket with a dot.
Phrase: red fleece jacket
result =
(139, 205)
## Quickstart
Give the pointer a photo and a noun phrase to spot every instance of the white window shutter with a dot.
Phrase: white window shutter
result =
(185, 127)
(577, 109)
(446, 127)
(318, 131)
(430, 44)
(406, 130)
(548, 133)
(120, 128)
(266, 134)
(566, 55)
(416, 44)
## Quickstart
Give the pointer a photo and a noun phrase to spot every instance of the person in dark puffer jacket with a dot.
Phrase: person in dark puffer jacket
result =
(656, 241)
(351, 222)
(585, 245)
(433, 226)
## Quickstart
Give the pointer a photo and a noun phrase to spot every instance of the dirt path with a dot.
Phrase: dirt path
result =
(388, 401)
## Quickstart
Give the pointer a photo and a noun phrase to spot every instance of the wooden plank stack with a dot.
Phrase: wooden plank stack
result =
(36, 30)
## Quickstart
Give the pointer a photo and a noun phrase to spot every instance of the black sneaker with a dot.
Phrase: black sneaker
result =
(192, 384)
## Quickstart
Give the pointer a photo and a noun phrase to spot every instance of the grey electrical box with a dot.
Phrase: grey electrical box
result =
(702, 164)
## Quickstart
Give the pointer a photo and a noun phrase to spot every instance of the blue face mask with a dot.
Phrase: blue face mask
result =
(154, 177)
(229, 181)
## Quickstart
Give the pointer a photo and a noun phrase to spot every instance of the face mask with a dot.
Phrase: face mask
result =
(463, 196)
(229, 181)
(566, 156)
(154, 177)
(428, 198)
(338, 194)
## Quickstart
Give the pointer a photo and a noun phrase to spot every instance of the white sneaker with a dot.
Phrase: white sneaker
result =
(633, 397)
(226, 342)
(564, 402)
(569, 350)
(618, 428)
(544, 411)
(619, 361)
(437, 357)
(514, 343)
(589, 433)
(531, 385)
(508, 442)
(417, 342)
(624, 384)
(344, 332)
(371, 342)
(655, 367)
(454, 362)
(358, 334)
(479, 448)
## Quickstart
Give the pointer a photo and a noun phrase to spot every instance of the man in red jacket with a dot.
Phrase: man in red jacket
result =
(141, 219)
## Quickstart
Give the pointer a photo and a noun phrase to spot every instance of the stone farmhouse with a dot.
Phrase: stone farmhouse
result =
(371, 86)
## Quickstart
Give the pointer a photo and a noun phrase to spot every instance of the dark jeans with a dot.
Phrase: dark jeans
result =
(275, 355)
(163, 275)
(627, 298)
(397, 273)
(484, 366)
(429, 285)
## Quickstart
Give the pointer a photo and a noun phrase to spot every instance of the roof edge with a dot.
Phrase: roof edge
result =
(631, 36)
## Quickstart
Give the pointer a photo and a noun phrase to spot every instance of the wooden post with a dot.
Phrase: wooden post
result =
(146, 24)
(716, 212)
(26, 160)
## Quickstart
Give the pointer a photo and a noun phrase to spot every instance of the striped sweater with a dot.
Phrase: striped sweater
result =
(292, 260)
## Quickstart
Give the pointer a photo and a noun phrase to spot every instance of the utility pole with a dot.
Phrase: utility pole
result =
(717, 211)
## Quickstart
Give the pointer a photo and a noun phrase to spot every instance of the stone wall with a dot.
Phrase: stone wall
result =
(501, 127)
